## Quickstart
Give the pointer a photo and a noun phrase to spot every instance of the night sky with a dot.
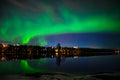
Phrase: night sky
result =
(84, 23)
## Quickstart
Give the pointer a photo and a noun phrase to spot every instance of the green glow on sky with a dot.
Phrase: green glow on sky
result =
(25, 28)
(42, 42)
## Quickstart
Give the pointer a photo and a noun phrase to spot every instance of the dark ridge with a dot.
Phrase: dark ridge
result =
(40, 74)
(107, 77)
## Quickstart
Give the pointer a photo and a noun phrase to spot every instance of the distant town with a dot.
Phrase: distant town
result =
(17, 51)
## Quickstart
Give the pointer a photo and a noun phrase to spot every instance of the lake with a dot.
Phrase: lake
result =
(76, 66)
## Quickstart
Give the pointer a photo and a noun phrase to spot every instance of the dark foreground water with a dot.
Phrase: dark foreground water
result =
(67, 66)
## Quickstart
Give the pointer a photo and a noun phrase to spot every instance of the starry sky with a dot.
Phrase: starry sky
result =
(84, 23)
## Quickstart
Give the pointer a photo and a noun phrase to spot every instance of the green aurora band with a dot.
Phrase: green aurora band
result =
(43, 25)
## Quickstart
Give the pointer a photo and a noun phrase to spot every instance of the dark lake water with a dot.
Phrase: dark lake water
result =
(81, 65)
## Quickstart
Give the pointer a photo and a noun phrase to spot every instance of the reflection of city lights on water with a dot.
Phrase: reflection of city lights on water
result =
(56, 54)
(75, 56)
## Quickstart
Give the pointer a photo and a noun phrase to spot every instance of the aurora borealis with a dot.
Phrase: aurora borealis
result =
(38, 22)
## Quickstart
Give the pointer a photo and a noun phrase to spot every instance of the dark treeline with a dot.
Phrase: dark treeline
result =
(30, 52)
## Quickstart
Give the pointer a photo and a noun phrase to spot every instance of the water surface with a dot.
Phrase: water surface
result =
(81, 65)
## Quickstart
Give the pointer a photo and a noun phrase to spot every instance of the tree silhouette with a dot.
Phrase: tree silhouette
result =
(58, 46)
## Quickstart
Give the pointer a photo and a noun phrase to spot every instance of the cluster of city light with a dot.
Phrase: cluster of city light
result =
(4, 45)
(7, 45)
(117, 51)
